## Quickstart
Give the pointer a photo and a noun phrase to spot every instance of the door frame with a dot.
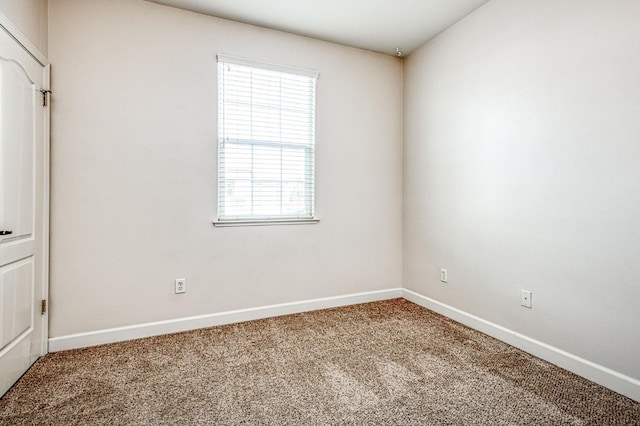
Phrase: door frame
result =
(30, 48)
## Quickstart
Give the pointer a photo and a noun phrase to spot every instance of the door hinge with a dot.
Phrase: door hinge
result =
(44, 307)
(44, 92)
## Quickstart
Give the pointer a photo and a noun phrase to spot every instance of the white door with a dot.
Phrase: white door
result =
(23, 210)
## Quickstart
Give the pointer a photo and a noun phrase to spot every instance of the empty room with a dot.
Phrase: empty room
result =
(314, 212)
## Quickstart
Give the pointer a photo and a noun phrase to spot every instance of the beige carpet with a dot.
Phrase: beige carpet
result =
(383, 363)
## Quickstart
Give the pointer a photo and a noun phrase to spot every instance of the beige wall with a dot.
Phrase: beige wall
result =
(134, 170)
(30, 16)
(522, 171)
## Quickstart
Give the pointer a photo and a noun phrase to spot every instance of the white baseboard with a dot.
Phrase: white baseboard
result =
(119, 334)
(617, 382)
(606, 377)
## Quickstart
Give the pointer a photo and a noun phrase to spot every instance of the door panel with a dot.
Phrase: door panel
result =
(16, 294)
(23, 207)
(17, 109)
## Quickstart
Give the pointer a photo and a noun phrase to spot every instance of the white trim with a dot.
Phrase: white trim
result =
(119, 334)
(604, 376)
(228, 59)
(14, 32)
(264, 222)
(46, 188)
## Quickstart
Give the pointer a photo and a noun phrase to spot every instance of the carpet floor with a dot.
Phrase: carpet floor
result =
(382, 363)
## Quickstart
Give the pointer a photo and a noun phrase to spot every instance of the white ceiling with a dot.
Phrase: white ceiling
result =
(377, 25)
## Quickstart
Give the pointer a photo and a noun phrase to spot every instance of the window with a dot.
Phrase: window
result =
(266, 138)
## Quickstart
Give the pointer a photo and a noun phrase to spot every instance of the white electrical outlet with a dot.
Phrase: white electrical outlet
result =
(181, 285)
(443, 275)
(525, 298)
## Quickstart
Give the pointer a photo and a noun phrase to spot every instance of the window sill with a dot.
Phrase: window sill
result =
(264, 222)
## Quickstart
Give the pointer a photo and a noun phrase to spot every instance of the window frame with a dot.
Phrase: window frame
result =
(258, 220)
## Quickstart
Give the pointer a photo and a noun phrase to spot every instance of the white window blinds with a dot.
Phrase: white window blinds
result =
(266, 125)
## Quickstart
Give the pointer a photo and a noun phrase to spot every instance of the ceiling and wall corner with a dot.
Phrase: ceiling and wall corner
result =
(376, 25)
